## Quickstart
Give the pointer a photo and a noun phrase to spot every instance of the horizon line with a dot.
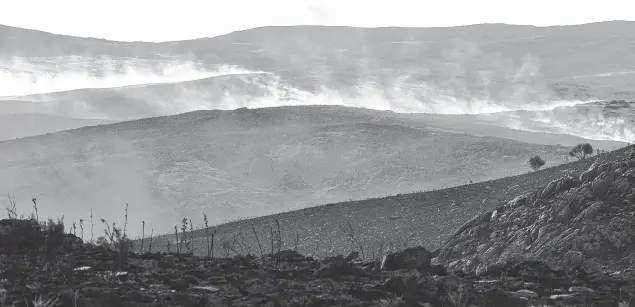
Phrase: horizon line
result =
(314, 25)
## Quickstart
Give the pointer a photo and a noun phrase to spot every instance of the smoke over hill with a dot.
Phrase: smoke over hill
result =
(453, 90)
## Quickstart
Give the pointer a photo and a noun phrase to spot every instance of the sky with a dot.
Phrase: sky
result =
(164, 20)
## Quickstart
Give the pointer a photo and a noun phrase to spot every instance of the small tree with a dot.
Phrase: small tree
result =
(581, 151)
(536, 162)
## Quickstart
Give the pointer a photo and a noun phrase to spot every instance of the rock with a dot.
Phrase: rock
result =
(498, 298)
(204, 289)
(337, 266)
(438, 269)
(572, 258)
(412, 258)
(524, 293)
(581, 289)
(395, 285)
(549, 189)
(178, 284)
(600, 186)
(351, 256)
(289, 255)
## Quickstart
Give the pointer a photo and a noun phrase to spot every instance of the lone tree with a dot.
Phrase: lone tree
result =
(581, 151)
(536, 162)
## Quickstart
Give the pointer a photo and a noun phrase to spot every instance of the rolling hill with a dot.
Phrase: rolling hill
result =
(249, 162)
(459, 70)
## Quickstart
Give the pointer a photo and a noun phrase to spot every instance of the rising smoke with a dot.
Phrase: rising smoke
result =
(123, 89)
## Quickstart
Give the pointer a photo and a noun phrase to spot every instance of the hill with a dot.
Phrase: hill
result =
(20, 125)
(428, 218)
(473, 70)
(152, 100)
(478, 69)
(249, 162)
(599, 120)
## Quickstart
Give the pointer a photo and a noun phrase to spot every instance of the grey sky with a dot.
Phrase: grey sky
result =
(152, 20)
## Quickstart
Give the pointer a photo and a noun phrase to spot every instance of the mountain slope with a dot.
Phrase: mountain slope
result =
(250, 162)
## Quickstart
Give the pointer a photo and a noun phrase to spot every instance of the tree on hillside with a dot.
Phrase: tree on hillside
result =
(581, 151)
(536, 162)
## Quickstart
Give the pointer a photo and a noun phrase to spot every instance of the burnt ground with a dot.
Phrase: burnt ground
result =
(81, 274)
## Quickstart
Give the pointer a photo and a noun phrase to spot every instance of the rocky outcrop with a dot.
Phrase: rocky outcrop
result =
(98, 278)
(586, 220)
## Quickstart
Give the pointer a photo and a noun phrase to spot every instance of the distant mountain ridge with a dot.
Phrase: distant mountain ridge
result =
(339, 55)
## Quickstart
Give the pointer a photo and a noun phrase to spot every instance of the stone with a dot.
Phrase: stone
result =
(412, 258)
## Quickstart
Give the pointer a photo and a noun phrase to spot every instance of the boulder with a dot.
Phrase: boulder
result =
(418, 258)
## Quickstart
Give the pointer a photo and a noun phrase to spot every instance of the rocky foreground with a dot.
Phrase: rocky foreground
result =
(571, 243)
(88, 275)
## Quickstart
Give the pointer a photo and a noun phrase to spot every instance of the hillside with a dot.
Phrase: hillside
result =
(151, 100)
(20, 125)
(599, 120)
(428, 219)
(567, 123)
(248, 162)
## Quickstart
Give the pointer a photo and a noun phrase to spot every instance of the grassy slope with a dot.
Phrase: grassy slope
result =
(426, 218)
